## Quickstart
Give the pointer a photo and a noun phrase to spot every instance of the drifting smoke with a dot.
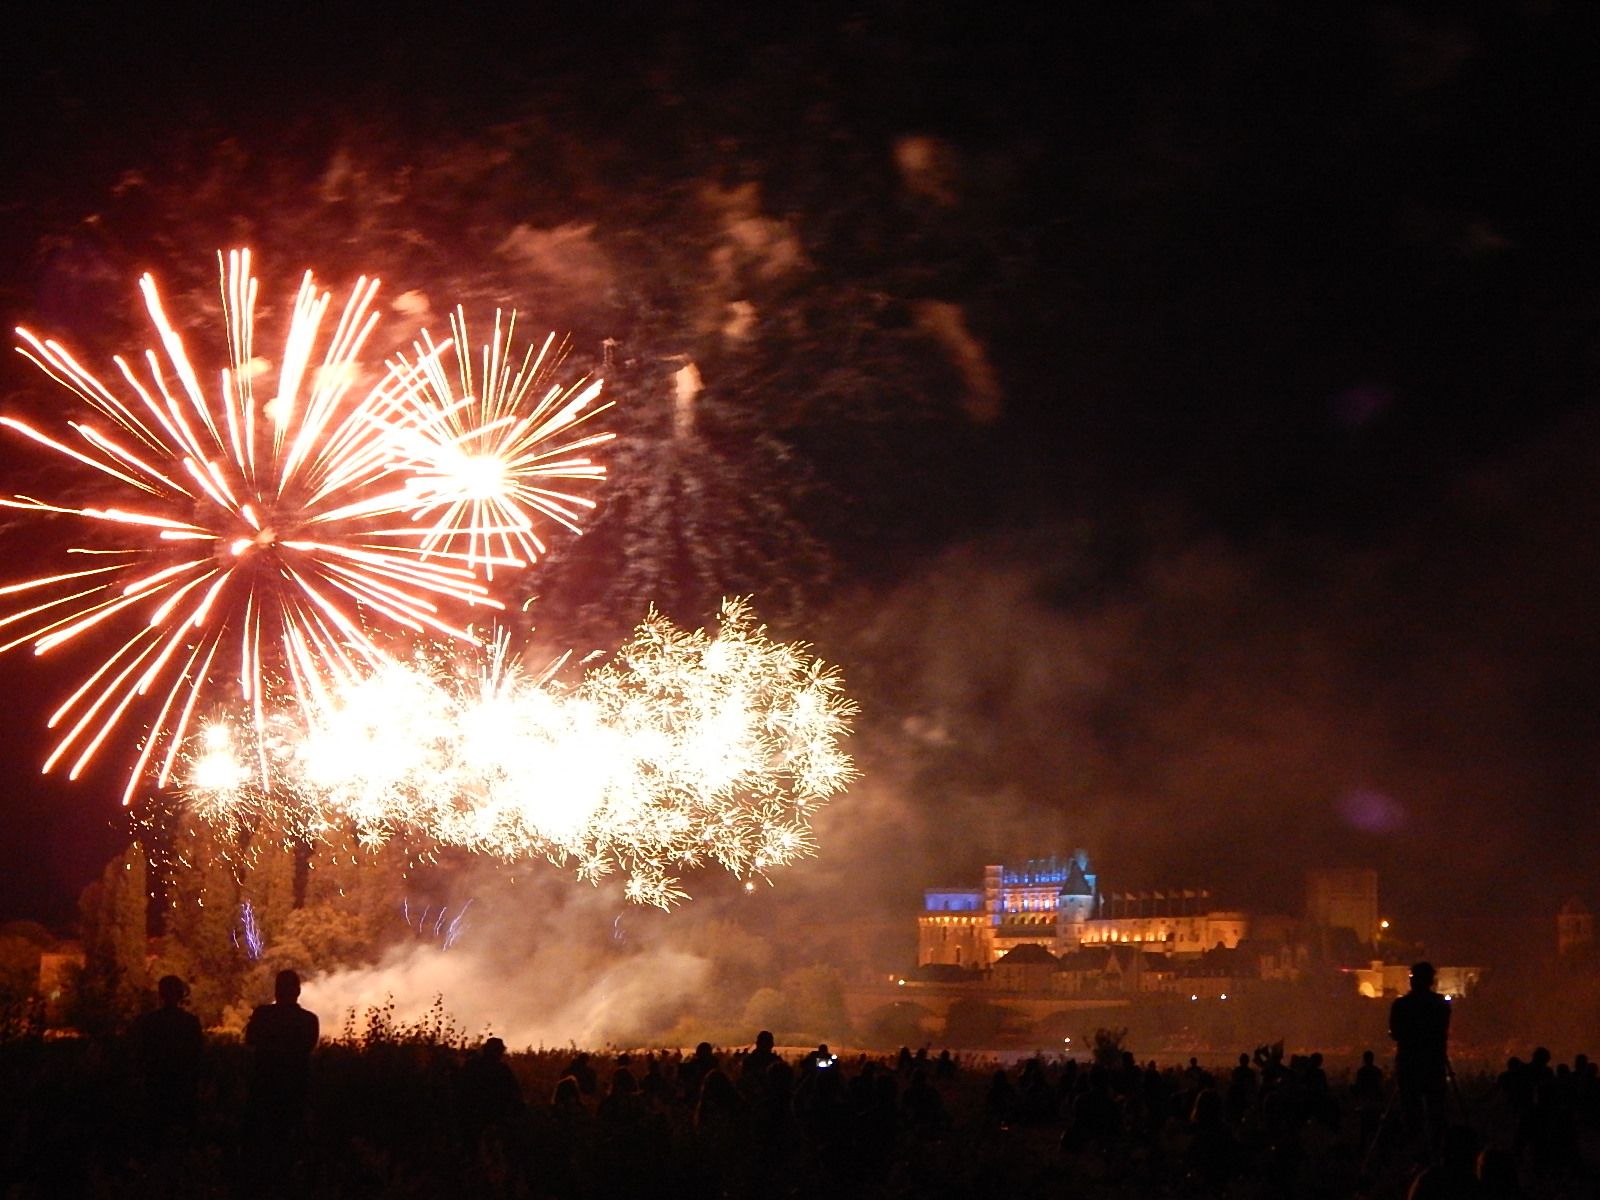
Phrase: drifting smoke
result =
(1204, 714)
(537, 963)
(1200, 711)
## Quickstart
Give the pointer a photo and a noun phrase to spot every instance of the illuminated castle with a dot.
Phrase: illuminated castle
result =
(1056, 903)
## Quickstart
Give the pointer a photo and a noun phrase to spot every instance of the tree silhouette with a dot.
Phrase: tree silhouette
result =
(113, 911)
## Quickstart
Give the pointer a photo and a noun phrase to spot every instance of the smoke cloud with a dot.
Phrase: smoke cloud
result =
(1200, 710)
(540, 960)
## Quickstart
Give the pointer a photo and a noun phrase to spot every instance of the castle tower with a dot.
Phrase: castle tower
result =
(1075, 905)
(1344, 897)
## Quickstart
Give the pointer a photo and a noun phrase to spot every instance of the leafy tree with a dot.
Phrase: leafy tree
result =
(270, 863)
(206, 941)
(816, 1003)
(114, 912)
(769, 1008)
(320, 937)
(368, 881)
(21, 943)
(740, 962)
(903, 1023)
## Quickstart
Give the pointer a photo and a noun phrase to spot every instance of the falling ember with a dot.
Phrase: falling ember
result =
(496, 450)
(235, 547)
(685, 749)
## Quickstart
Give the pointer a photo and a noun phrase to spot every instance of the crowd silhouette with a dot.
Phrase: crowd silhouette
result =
(166, 1111)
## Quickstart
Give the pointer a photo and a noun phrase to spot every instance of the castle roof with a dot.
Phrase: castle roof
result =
(1076, 884)
(1215, 962)
(1098, 958)
(1028, 952)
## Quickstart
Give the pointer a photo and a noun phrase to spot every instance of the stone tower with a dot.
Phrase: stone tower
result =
(1075, 905)
(1344, 897)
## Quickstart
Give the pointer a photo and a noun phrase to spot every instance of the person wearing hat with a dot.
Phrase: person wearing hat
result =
(1419, 1023)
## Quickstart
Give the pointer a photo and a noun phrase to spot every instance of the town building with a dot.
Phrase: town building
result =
(1383, 979)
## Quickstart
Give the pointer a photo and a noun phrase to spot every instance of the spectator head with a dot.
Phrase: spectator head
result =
(494, 1049)
(765, 1040)
(286, 987)
(1421, 976)
(172, 990)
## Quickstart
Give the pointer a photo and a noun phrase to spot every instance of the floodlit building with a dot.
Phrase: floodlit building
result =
(954, 929)
(1386, 980)
(1057, 904)
(58, 969)
(1046, 927)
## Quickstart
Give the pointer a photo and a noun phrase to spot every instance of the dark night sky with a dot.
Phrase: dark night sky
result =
(1282, 546)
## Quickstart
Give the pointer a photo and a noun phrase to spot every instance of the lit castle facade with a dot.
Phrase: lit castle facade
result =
(1056, 903)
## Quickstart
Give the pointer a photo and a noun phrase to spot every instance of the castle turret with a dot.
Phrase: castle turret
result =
(1074, 903)
(1344, 898)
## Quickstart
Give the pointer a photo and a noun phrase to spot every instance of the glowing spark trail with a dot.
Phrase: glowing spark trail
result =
(234, 548)
(446, 934)
(484, 459)
(686, 749)
(253, 943)
(263, 549)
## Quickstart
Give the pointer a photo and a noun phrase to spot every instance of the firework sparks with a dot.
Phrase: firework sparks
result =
(268, 544)
(494, 451)
(252, 943)
(236, 532)
(445, 932)
(687, 749)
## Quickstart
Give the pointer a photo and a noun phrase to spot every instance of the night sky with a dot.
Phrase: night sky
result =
(1251, 523)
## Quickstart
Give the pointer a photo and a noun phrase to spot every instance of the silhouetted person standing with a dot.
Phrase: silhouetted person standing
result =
(282, 1036)
(1419, 1023)
(756, 1063)
(491, 1097)
(169, 1042)
(583, 1071)
(1367, 1092)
